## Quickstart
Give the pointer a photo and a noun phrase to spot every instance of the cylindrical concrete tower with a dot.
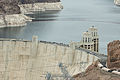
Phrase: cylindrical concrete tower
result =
(95, 38)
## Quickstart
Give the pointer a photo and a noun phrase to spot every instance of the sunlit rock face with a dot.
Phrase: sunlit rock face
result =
(93, 72)
(113, 61)
(15, 10)
(117, 2)
(11, 6)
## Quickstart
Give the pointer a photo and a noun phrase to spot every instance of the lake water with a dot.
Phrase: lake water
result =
(69, 24)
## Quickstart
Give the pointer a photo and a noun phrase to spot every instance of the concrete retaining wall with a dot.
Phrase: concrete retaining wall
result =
(31, 60)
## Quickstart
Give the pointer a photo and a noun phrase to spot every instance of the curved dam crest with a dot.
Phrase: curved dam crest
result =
(31, 60)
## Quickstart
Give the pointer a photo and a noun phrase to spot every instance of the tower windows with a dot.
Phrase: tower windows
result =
(90, 40)
(83, 39)
(86, 40)
(88, 46)
(94, 33)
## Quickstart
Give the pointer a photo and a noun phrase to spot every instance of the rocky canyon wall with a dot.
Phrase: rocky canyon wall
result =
(11, 6)
(39, 7)
(13, 10)
(114, 55)
(14, 20)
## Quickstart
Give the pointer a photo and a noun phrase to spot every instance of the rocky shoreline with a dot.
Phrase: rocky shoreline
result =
(117, 2)
(12, 12)
(14, 20)
(39, 7)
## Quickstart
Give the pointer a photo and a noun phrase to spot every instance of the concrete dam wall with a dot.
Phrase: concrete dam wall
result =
(31, 60)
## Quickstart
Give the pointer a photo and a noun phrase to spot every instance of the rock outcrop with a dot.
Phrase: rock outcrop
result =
(93, 72)
(98, 71)
(113, 61)
(117, 2)
(20, 7)
(9, 7)
(39, 7)
(14, 20)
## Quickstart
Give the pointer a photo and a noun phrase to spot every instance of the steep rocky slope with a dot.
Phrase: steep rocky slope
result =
(95, 73)
(12, 11)
(114, 55)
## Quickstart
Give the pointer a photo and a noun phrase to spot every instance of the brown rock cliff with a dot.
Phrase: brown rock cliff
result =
(113, 60)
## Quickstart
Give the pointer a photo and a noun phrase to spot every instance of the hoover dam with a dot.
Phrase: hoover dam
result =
(32, 60)
(43, 60)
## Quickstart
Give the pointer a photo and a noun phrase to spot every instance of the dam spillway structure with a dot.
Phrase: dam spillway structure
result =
(32, 60)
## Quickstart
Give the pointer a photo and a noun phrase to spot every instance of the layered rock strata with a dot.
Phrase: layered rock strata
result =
(9, 7)
(13, 20)
(114, 55)
(12, 10)
(36, 7)
(117, 2)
